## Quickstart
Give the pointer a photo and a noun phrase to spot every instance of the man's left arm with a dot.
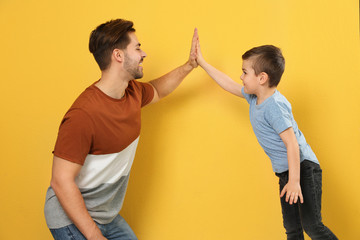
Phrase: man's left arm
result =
(164, 85)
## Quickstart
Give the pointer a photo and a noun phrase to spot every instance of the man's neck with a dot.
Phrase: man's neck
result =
(113, 84)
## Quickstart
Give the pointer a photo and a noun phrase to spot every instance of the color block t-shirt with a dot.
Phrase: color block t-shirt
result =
(269, 119)
(101, 134)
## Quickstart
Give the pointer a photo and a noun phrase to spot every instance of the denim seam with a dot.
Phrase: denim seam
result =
(70, 234)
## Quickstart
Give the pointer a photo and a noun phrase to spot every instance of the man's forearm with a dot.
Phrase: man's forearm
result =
(170, 81)
(73, 204)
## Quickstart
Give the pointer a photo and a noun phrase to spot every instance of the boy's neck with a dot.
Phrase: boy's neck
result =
(264, 93)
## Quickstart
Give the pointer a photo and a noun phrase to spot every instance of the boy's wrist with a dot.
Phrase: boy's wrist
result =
(294, 180)
(202, 63)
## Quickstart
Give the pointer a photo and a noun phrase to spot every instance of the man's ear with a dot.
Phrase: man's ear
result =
(118, 55)
(264, 78)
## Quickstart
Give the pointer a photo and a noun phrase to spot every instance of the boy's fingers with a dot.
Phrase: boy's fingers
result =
(283, 192)
(301, 198)
(296, 198)
(288, 195)
(291, 198)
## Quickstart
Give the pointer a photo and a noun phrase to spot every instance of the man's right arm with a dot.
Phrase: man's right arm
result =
(63, 183)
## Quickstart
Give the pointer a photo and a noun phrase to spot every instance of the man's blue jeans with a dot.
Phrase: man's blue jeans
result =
(118, 229)
(306, 216)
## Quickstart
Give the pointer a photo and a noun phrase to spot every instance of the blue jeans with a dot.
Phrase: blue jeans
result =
(305, 216)
(118, 229)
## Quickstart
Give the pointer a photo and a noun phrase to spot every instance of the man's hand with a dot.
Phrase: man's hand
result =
(99, 237)
(164, 85)
(293, 192)
(192, 58)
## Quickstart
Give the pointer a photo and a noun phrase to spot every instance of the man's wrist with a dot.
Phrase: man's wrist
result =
(94, 232)
(187, 67)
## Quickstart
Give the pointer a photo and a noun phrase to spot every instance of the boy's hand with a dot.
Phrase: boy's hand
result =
(199, 57)
(293, 192)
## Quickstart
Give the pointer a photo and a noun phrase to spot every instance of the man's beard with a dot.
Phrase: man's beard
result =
(132, 67)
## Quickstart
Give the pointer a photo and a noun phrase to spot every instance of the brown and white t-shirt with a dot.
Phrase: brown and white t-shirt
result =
(100, 133)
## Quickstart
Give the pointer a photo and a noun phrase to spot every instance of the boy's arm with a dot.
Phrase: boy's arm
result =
(164, 85)
(292, 188)
(220, 78)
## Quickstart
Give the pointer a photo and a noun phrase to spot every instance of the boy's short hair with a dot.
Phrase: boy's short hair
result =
(108, 36)
(268, 59)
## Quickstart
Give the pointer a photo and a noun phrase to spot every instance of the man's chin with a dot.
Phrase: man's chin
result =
(138, 76)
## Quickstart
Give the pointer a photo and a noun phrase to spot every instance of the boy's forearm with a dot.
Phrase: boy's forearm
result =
(222, 79)
(294, 163)
(292, 188)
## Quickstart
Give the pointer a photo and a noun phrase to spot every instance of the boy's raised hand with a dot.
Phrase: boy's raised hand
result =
(293, 193)
(199, 57)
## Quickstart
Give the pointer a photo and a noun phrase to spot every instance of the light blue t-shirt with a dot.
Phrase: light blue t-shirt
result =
(268, 120)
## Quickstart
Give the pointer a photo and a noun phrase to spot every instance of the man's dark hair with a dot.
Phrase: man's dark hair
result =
(108, 36)
(268, 59)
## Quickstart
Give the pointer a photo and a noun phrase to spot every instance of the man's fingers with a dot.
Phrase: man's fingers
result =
(194, 39)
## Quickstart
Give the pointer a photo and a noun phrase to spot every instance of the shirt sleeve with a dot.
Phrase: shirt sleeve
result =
(279, 117)
(75, 137)
(146, 90)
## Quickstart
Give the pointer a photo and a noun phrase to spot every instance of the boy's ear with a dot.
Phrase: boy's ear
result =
(264, 78)
(118, 55)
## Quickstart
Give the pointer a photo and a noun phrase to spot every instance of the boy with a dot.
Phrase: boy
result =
(272, 120)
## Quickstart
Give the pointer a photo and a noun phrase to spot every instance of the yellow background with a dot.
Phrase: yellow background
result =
(199, 172)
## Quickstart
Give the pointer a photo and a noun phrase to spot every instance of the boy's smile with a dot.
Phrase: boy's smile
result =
(249, 78)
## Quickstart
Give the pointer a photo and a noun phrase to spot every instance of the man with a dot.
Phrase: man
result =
(98, 137)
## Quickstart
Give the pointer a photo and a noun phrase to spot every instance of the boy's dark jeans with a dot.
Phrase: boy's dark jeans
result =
(307, 215)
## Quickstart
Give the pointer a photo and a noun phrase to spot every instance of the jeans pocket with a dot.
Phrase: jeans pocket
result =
(67, 233)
